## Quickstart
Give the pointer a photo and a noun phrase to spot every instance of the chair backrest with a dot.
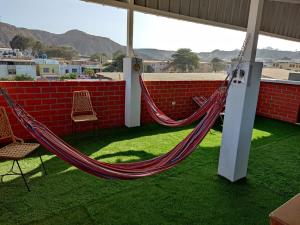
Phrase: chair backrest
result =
(5, 127)
(82, 103)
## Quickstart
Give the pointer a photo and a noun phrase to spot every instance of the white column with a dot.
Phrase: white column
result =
(241, 105)
(129, 47)
(132, 93)
(131, 76)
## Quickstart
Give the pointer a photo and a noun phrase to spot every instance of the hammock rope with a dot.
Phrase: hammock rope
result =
(121, 170)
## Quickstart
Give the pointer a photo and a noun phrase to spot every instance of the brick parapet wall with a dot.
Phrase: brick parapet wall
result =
(279, 100)
(50, 102)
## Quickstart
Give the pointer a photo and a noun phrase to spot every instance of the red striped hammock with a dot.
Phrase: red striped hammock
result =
(161, 118)
(133, 170)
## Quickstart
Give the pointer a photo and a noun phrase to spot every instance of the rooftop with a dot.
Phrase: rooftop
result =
(191, 193)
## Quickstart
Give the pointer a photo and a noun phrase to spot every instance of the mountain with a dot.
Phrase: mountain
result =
(262, 54)
(87, 44)
(84, 43)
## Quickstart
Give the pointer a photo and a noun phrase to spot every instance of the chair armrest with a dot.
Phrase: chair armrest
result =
(19, 140)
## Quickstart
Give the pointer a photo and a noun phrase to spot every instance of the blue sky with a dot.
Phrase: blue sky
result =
(59, 16)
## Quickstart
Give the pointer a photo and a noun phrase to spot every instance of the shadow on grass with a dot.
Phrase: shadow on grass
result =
(142, 155)
(66, 187)
(89, 143)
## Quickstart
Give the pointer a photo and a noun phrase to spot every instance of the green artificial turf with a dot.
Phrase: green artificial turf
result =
(190, 193)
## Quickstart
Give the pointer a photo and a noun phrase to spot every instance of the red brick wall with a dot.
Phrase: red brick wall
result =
(279, 101)
(50, 102)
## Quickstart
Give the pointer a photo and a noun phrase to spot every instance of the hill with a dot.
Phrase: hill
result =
(84, 43)
(87, 44)
(262, 54)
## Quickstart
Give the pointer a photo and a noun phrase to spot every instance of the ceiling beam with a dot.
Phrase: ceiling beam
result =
(114, 3)
(286, 1)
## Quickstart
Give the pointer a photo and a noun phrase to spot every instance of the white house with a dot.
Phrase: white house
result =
(11, 67)
(69, 68)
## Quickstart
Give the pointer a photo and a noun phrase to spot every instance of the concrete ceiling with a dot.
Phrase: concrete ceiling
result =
(281, 18)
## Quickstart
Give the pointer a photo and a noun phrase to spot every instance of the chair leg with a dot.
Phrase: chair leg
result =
(73, 127)
(11, 172)
(23, 175)
(43, 165)
(75, 131)
(12, 167)
(96, 128)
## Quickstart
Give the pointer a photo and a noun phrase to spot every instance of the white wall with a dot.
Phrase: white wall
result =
(64, 67)
(26, 69)
(3, 70)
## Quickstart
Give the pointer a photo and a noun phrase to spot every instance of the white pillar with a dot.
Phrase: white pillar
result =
(129, 47)
(241, 105)
(132, 93)
(131, 76)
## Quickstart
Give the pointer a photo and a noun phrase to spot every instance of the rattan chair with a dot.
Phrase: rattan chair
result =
(82, 109)
(16, 149)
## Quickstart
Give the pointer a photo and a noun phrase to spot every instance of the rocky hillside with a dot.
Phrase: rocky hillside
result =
(87, 44)
(84, 43)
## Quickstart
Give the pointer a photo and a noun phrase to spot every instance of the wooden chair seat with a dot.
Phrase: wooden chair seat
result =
(84, 118)
(17, 150)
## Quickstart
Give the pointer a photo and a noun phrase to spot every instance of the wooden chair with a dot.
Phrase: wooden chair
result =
(16, 149)
(82, 109)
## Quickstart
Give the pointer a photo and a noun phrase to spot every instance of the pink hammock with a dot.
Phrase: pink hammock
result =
(161, 118)
(122, 170)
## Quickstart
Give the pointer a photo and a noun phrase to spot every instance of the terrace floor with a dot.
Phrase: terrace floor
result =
(191, 193)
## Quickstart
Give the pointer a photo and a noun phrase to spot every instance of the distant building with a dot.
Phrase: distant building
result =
(79, 61)
(287, 65)
(95, 68)
(47, 67)
(155, 66)
(294, 76)
(10, 53)
(68, 68)
(205, 67)
(11, 67)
